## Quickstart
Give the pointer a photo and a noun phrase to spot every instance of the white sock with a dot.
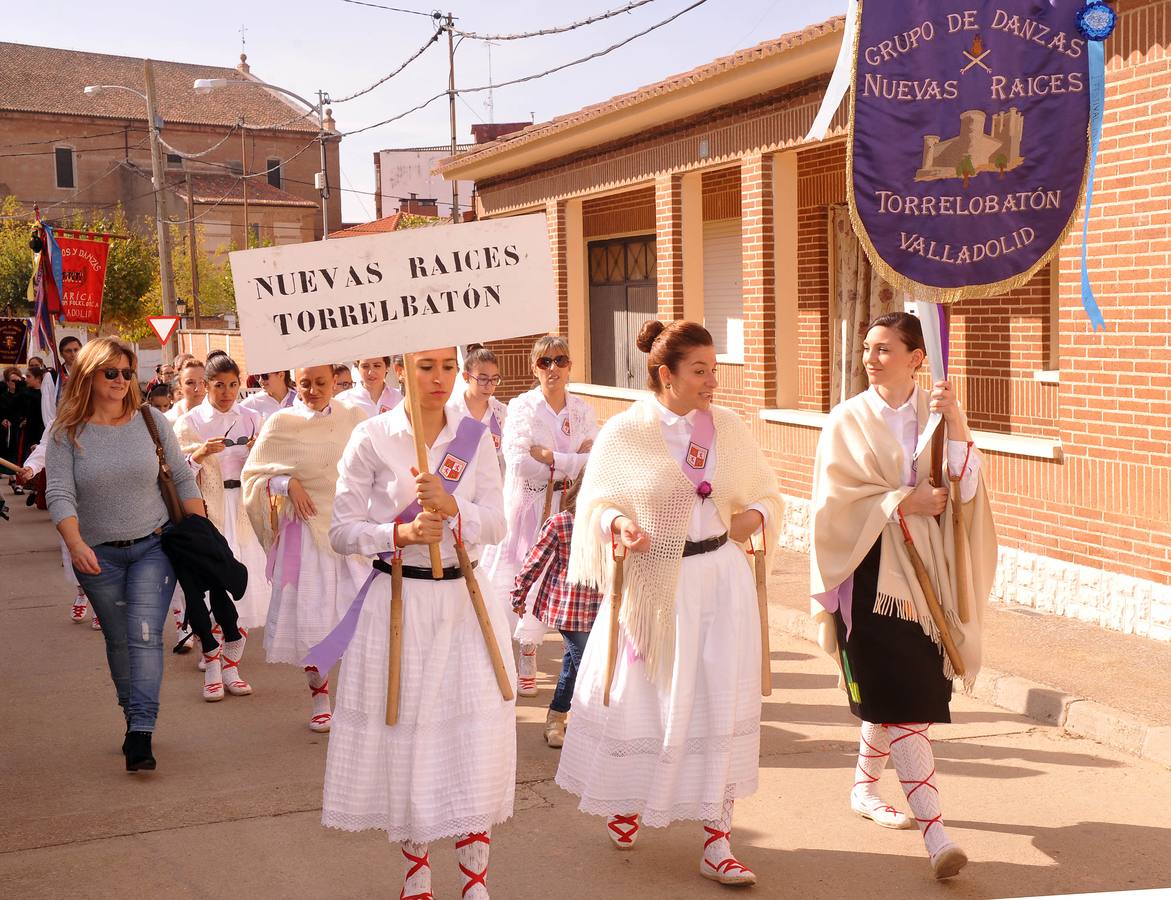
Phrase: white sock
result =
(233, 652)
(471, 852)
(719, 834)
(416, 870)
(910, 748)
(319, 689)
(873, 752)
(212, 671)
(526, 671)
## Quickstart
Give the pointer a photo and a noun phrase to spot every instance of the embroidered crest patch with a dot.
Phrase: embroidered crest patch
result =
(696, 455)
(565, 426)
(452, 467)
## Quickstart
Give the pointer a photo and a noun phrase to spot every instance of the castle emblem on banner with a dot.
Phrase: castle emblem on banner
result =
(974, 149)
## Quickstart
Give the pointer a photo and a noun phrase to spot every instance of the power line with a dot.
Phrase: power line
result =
(210, 149)
(66, 137)
(413, 12)
(55, 149)
(559, 29)
(401, 115)
(410, 59)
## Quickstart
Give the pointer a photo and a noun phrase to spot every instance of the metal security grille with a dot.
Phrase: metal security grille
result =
(622, 297)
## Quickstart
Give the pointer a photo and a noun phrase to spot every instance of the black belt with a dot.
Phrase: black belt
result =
(561, 485)
(231, 482)
(133, 541)
(423, 573)
(695, 548)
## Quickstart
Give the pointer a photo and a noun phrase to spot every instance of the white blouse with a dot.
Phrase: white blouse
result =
(360, 397)
(237, 422)
(375, 485)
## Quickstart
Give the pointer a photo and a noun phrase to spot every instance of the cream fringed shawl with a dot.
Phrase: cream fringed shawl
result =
(631, 470)
(305, 449)
(857, 485)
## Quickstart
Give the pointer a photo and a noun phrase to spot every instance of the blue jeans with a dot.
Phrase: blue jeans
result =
(131, 597)
(575, 642)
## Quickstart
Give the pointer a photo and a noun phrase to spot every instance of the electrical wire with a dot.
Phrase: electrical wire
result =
(559, 29)
(413, 12)
(66, 137)
(100, 178)
(381, 81)
(401, 115)
(210, 149)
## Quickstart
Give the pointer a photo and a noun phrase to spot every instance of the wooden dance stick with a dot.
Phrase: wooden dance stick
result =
(394, 670)
(960, 536)
(548, 501)
(933, 606)
(465, 566)
(13, 468)
(619, 552)
(760, 564)
(420, 446)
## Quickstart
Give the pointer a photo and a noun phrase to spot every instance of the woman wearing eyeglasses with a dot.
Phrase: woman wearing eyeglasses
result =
(550, 433)
(277, 394)
(374, 396)
(481, 378)
(216, 436)
(104, 497)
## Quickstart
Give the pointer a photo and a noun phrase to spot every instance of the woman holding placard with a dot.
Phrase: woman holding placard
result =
(446, 767)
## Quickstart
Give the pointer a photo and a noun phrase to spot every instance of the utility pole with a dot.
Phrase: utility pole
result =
(192, 252)
(322, 99)
(244, 179)
(450, 22)
(166, 277)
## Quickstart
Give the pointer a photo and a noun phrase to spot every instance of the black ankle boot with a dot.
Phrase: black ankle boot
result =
(138, 755)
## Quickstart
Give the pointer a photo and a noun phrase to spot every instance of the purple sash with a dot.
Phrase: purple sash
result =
(289, 546)
(702, 437)
(494, 427)
(460, 454)
(290, 396)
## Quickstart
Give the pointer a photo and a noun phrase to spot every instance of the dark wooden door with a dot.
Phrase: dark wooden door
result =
(623, 295)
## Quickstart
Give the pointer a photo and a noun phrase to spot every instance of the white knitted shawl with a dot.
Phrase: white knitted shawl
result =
(528, 428)
(631, 470)
(305, 449)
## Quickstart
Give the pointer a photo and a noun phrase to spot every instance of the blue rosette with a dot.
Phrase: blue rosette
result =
(1096, 20)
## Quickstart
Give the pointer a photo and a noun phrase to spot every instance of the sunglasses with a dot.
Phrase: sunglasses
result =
(548, 362)
(236, 442)
(112, 374)
(487, 380)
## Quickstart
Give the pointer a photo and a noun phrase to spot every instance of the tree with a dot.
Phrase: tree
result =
(1001, 162)
(16, 259)
(965, 169)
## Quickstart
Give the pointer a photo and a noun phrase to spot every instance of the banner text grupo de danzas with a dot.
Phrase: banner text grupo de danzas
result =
(968, 141)
(351, 298)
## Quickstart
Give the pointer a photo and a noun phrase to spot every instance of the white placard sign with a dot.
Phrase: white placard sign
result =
(352, 298)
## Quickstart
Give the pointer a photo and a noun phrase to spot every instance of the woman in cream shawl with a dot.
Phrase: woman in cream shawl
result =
(680, 738)
(289, 482)
(867, 488)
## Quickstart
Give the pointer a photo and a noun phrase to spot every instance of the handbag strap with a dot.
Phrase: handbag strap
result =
(153, 428)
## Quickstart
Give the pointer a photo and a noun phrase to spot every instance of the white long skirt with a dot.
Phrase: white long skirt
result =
(252, 608)
(449, 766)
(674, 753)
(301, 614)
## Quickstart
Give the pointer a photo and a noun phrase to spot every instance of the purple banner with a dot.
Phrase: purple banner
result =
(968, 140)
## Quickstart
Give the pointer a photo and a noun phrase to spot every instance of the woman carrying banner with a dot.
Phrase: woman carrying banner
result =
(677, 483)
(884, 568)
(216, 436)
(373, 396)
(481, 375)
(447, 768)
(278, 393)
(289, 482)
(550, 433)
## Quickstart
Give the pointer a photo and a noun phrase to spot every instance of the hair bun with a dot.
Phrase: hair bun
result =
(647, 334)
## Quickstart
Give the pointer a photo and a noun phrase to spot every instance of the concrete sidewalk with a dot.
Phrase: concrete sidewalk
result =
(234, 808)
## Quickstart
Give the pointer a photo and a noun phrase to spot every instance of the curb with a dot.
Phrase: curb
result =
(1041, 702)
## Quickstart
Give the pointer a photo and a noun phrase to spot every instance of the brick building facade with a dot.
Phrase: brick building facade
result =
(708, 175)
(71, 152)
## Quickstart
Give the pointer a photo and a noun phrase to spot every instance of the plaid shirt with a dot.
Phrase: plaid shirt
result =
(560, 605)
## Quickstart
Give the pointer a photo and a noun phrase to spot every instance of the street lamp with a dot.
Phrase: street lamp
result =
(207, 85)
(154, 123)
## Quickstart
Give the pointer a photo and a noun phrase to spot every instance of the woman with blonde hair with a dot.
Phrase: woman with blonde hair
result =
(104, 498)
(550, 433)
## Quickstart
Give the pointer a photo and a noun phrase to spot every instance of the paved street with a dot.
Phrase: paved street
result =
(233, 810)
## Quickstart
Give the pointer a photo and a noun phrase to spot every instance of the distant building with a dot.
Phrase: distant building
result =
(75, 153)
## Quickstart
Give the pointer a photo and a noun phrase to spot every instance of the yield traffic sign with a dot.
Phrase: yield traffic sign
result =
(164, 326)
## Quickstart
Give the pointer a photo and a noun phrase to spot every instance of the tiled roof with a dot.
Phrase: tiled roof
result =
(50, 80)
(229, 190)
(384, 225)
(719, 66)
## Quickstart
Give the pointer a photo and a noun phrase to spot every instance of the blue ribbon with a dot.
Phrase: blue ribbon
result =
(1097, 60)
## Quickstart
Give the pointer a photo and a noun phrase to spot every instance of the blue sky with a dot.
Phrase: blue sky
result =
(340, 47)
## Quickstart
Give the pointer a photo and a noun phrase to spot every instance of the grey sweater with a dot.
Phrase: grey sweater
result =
(110, 482)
